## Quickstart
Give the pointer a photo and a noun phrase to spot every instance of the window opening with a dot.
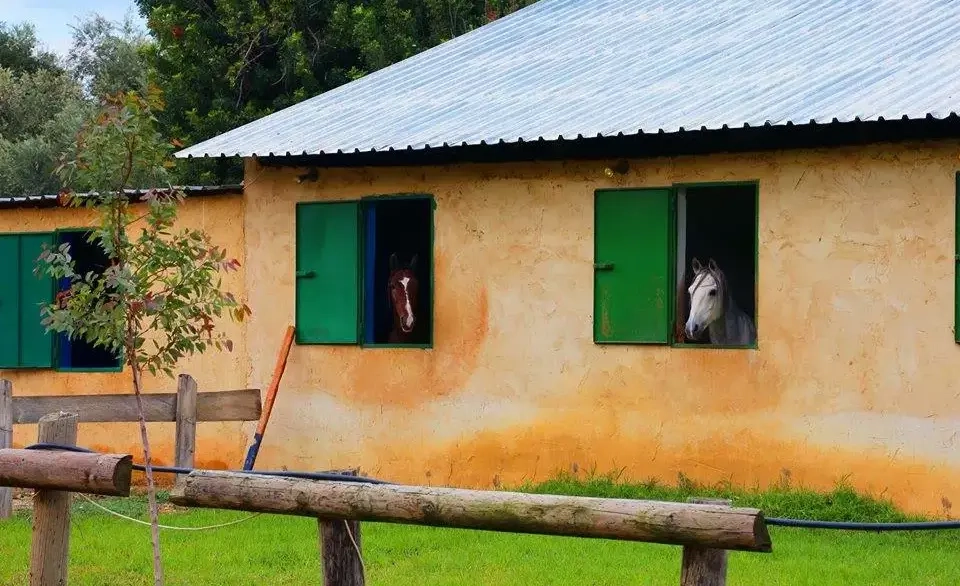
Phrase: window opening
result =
(398, 238)
(79, 354)
(716, 233)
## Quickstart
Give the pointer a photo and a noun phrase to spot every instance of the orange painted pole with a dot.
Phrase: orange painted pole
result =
(271, 397)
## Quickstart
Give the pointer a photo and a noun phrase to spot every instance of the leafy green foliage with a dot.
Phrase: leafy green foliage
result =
(40, 110)
(163, 285)
(43, 102)
(107, 57)
(19, 50)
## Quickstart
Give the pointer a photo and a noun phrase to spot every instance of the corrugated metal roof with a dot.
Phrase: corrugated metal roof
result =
(53, 200)
(584, 68)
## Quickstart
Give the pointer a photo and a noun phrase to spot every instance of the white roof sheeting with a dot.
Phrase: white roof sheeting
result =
(569, 68)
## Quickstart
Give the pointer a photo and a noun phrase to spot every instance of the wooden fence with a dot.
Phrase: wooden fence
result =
(705, 530)
(185, 407)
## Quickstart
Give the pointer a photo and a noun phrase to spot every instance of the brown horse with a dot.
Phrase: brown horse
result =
(402, 286)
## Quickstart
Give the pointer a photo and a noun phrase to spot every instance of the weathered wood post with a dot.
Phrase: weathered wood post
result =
(186, 444)
(51, 511)
(6, 441)
(342, 564)
(703, 566)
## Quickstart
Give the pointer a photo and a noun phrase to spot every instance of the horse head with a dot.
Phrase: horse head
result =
(707, 296)
(402, 286)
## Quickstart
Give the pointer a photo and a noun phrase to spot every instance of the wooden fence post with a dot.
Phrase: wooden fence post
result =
(340, 549)
(186, 444)
(6, 441)
(703, 566)
(51, 511)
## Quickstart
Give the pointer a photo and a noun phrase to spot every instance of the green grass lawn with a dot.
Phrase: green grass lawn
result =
(283, 550)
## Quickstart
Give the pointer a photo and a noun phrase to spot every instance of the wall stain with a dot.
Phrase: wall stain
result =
(756, 457)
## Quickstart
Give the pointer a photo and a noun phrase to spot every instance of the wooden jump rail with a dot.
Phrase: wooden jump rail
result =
(186, 407)
(705, 530)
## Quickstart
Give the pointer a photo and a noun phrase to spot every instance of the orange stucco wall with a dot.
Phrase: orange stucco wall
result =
(856, 376)
(219, 444)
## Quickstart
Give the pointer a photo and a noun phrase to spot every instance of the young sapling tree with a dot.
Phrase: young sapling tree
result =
(159, 297)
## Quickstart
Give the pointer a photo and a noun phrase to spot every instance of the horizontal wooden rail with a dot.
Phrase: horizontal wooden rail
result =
(242, 405)
(105, 474)
(705, 525)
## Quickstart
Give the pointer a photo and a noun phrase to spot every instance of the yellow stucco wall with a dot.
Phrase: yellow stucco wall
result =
(856, 375)
(219, 444)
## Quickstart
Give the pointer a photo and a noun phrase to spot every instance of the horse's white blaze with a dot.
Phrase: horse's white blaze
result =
(406, 298)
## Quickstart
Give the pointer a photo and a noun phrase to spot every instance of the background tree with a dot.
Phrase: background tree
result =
(223, 63)
(108, 57)
(41, 108)
(44, 99)
(19, 50)
(158, 299)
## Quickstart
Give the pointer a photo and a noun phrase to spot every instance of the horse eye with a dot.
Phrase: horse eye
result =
(713, 293)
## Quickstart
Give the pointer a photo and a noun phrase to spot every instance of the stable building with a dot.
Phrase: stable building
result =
(548, 184)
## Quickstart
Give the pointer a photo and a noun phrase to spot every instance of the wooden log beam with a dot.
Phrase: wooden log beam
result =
(242, 405)
(633, 520)
(105, 474)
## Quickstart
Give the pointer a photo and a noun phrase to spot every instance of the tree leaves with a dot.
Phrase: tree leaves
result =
(163, 282)
(44, 102)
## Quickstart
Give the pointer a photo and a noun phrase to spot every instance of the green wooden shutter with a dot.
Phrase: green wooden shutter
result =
(632, 266)
(36, 345)
(9, 300)
(25, 343)
(328, 248)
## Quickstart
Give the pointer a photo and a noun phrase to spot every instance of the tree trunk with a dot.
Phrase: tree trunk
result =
(151, 489)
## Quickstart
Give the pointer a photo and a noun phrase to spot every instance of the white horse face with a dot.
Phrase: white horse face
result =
(706, 306)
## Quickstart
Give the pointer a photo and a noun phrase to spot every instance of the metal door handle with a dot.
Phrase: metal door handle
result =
(306, 274)
(603, 266)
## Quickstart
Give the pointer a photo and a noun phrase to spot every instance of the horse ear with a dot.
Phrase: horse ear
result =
(393, 261)
(713, 265)
(413, 263)
(697, 267)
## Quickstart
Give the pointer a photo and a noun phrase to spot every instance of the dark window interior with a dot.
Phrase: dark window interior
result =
(78, 354)
(721, 223)
(403, 227)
